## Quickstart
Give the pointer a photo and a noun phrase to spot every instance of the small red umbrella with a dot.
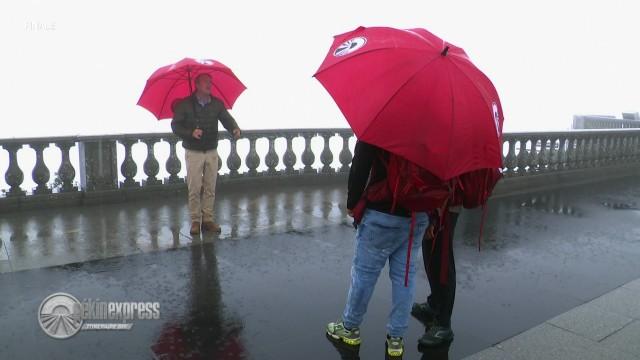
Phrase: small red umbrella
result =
(415, 95)
(176, 81)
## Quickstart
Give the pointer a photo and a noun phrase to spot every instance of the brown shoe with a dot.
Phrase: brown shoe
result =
(195, 228)
(210, 226)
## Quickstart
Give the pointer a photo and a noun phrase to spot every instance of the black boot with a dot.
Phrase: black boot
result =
(424, 313)
(436, 335)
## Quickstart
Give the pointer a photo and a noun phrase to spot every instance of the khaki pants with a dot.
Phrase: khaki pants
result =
(202, 173)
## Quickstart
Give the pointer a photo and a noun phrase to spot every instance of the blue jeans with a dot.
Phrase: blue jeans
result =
(381, 237)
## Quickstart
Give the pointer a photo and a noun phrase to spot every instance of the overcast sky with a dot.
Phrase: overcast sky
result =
(78, 67)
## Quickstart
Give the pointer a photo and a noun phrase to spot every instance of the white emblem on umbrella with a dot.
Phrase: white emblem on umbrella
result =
(204, 61)
(350, 46)
(496, 116)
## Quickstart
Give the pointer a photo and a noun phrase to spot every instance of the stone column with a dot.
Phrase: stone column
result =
(98, 165)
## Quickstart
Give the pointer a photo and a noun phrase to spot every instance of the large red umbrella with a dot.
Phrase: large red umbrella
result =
(415, 95)
(176, 81)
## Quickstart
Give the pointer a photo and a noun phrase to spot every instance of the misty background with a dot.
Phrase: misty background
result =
(78, 67)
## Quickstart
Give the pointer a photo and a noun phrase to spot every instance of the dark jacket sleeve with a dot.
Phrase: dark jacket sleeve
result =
(179, 123)
(363, 156)
(227, 120)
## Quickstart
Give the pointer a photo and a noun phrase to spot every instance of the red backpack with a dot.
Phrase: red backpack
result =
(410, 187)
(474, 188)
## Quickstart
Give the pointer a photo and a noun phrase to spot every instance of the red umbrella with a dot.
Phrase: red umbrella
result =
(415, 95)
(176, 81)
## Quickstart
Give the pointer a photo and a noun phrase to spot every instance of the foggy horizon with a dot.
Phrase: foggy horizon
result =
(79, 69)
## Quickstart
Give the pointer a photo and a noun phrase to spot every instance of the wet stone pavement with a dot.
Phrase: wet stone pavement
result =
(279, 271)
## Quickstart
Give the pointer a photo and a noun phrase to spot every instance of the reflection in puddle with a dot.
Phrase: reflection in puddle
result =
(552, 204)
(620, 205)
(345, 351)
(203, 331)
(435, 353)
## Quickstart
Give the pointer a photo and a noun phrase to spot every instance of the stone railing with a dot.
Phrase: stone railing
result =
(546, 152)
(100, 172)
(99, 169)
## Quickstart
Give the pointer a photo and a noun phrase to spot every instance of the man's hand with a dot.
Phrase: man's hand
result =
(236, 133)
(197, 134)
(431, 232)
(350, 212)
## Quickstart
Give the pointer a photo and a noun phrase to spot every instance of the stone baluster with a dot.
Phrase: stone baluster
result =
(624, 149)
(615, 150)
(590, 151)
(584, 151)
(289, 157)
(66, 172)
(571, 162)
(151, 166)
(581, 148)
(554, 154)
(173, 164)
(271, 159)
(611, 149)
(233, 161)
(619, 148)
(604, 157)
(631, 148)
(14, 175)
(40, 173)
(345, 156)
(599, 155)
(617, 144)
(253, 159)
(541, 156)
(523, 156)
(559, 159)
(308, 157)
(326, 157)
(128, 168)
(531, 157)
(572, 151)
(606, 150)
(510, 161)
(545, 155)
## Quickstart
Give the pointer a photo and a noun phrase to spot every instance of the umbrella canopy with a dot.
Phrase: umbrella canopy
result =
(415, 95)
(176, 81)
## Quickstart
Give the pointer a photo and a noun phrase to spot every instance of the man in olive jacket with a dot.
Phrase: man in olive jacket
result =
(195, 120)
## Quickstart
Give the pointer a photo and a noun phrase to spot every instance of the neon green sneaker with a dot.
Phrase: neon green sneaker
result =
(337, 331)
(395, 346)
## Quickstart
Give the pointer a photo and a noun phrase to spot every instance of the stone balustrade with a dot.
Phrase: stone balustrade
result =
(100, 170)
(535, 153)
(524, 155)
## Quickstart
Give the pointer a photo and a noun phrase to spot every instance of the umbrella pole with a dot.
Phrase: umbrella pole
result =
(189, 78)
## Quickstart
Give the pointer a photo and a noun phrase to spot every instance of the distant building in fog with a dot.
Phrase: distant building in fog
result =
(628, 120)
